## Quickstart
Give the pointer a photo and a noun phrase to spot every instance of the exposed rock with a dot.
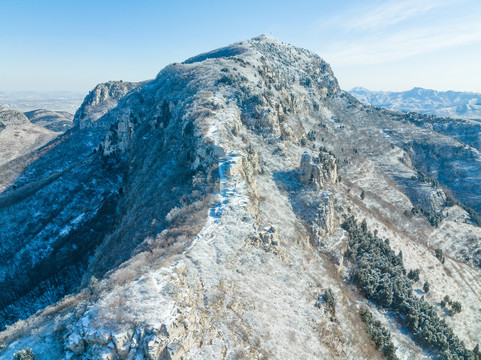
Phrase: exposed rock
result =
(163, 197)
(122, 341)
(99, 101)
(319, 172)
(431, 199)
(269, 235)
(75, 343)
(310, 173)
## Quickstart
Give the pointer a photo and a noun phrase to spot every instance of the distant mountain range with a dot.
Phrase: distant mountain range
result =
(32, 100)
(454, 104)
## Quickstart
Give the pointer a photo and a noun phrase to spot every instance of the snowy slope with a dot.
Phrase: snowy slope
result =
(453, 104)
(222, 184)
(18, 136)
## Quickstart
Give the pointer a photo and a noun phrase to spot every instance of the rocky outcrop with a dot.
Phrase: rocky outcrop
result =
(269, 235)
(429, 198)
(169, 338)
(99, 101)
(318, 172)
(319, 213)
(313, 205)
(11, 117)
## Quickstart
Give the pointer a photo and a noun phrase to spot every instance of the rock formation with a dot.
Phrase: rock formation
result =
(197, 216)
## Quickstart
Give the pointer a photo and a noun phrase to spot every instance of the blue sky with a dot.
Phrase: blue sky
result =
(382, 45)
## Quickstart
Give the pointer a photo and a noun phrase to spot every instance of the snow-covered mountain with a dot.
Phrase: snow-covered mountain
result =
(453, 104)
(242, 206)
(21, 134)
(58, 121)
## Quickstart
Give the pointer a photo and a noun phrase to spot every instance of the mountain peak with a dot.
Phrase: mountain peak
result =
(187, 216)
(11, 117)
(100, 100)
(266, 38)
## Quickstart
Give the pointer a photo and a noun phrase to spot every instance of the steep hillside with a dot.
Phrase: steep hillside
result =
(453, 104)
(210, 214)
(18, 136)
(58, 121)
(99, 101)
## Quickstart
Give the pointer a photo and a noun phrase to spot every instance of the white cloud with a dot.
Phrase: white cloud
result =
(381, 15)
(390, 13)
(384, 48)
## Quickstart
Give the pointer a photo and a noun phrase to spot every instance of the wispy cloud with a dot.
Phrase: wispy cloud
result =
(390, 13)
(376, 16)
(394, 46)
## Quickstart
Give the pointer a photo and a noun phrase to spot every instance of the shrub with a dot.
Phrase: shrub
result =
(426, 287)
(330, 300)
(226, 79)
(414, 275)
(25, 354)
(434, 218)
(363, 195)
(456, 307)
(311, 135)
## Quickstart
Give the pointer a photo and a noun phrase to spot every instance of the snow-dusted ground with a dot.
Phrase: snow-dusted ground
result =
(22, 139)
(247, 284)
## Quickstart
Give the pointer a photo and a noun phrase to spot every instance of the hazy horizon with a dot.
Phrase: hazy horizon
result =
(379, 45)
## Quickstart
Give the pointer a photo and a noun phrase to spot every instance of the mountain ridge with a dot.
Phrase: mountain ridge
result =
(204, 207)
(454, 104)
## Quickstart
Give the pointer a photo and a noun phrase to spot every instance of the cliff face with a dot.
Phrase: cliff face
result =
(99, 101)
(197, 216)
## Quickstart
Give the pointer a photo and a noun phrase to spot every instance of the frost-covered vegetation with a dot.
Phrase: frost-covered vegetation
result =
(380, 275)
(379, 334)
(200, 213)
(25, 354)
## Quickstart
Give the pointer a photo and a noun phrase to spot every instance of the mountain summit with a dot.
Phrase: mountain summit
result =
(241, 205)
